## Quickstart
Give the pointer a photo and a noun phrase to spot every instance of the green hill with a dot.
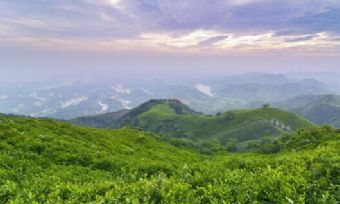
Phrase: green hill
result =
(101, 121)
(172, 118)
(320, 109)
(120, 118)
(44, 161)
(310, 139)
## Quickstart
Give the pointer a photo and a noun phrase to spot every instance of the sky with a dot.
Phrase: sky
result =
(195, 37)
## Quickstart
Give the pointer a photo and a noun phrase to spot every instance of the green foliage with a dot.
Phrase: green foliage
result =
(320, 109)
(174, 119)
(43, 161)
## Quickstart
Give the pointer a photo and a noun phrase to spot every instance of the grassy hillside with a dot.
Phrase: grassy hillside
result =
(320, 109)
(174, 119)
(43, 161)
(48, 137)
(102, 121)
(120, 118)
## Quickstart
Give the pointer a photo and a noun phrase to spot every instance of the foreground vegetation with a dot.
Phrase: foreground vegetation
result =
(43, 161)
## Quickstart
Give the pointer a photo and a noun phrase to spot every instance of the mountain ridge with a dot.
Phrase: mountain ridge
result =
(320, 109)
(160, 117)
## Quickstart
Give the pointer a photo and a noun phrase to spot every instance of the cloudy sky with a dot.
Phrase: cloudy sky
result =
(229, 35)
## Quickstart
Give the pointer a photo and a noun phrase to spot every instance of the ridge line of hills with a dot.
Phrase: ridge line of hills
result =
(237, 130)
(66, 99)
(320, 109)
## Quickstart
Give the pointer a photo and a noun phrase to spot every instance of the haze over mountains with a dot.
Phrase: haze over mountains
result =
(129, 149)
(69, 98)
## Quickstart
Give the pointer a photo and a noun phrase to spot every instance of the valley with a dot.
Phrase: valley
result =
(257, 138)
(64, 99)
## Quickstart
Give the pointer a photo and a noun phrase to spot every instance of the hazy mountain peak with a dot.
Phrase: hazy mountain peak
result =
(175, 104)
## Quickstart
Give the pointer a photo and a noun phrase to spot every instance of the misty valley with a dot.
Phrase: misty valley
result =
(68, 98)
(253, 138)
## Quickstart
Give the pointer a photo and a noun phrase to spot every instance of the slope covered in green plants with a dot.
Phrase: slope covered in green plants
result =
(172, 118)
(43, 161)
(320, 109)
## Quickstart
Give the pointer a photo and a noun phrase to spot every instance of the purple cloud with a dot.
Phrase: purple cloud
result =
(106, 21)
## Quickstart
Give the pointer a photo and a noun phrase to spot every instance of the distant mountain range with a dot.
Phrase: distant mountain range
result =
(66, 99)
